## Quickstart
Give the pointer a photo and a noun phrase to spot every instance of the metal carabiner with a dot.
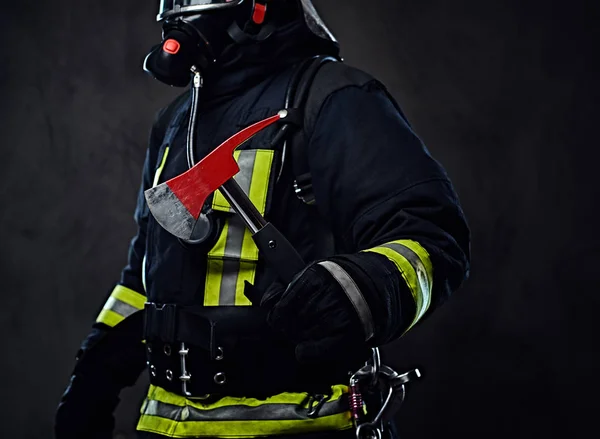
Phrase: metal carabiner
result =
(394, 383)
(392, 386)
(368, 430)
(376, 360)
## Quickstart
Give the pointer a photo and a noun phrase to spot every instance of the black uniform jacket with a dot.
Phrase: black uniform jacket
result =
(373, 179)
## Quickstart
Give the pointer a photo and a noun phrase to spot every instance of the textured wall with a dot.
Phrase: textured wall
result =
(501, 91)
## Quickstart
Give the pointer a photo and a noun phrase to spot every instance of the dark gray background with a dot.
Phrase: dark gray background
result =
(503, 93)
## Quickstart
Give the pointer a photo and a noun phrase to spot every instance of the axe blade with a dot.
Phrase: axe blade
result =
(176, 204)
(170, 212)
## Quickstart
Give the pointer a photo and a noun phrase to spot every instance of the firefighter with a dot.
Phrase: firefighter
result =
(230, 350)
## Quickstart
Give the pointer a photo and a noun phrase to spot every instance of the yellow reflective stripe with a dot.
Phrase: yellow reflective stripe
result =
(414, 263)
(423, 256)
(214, 272)
(249, 248)
(129, 296)
(233, 259)
(159, 394)
(230, 262)
(109, 318)
(121, 303)
(214, 269)
(175, 416)
(246, 429)
(255, 172)
(219, 202)
(159, 171)
(218, 251)
(260, 179)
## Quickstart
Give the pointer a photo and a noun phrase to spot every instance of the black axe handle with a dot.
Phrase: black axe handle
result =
(277, 250)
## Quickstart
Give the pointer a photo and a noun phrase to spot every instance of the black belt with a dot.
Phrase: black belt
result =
(226, 351)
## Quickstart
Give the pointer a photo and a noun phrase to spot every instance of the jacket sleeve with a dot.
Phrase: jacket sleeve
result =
(128, 296)
(112, 356)
(114, 346)
(399, 227)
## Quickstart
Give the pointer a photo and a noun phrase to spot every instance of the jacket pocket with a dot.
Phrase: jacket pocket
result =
(233, 260)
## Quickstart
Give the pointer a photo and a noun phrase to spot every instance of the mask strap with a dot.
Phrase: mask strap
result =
(238, 35)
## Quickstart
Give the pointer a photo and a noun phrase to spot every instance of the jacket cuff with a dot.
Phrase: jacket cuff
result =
(385, 292)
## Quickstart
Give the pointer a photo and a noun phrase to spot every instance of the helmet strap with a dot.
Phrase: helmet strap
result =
(259, 31)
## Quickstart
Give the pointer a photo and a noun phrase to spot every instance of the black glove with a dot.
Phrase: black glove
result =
(330, 323)
(317, 314)
(109, 360)
(86, 409)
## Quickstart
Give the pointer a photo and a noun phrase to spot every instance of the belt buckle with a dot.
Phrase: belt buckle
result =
(185, 376)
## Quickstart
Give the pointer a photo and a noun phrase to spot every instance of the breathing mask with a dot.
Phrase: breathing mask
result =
(196, 32)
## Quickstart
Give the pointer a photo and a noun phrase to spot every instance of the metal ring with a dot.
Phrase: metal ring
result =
(220, 378)
(152, 370)
(169, 374)
(221, 354)
(167, 350)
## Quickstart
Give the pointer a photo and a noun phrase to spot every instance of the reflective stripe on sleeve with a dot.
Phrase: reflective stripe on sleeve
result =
(414, 263)
(286, 413)
(232, 261)
(122, 303)
(354, 294)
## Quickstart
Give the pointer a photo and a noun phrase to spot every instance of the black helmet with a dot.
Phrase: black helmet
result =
(170, 8)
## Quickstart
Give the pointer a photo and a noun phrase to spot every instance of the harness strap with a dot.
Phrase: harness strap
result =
(300, 168)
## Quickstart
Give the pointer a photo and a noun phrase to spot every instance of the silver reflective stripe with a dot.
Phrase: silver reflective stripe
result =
(354, 294)
(168, 411)
(245, 161)
(265, 412)
(234, 239)
(235, 234)
(420, 270)
(119, 307)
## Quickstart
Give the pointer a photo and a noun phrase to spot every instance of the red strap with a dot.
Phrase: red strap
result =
(260, 10)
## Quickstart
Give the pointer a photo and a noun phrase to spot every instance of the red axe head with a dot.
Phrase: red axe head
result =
(177, 203)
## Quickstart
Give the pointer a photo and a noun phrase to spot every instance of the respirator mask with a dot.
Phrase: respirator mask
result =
(196, 32)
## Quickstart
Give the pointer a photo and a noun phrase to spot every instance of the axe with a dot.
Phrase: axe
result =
(176, 204)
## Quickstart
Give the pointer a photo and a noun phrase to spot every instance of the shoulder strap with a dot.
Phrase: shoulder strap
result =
(302, 180)
(322, 78)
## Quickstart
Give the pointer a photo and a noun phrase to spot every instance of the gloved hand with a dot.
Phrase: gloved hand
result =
(316, 313)
(86, 409)
(109, 360)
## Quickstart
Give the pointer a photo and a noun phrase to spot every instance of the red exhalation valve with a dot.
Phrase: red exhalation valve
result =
(171, 46)
(260, 11)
